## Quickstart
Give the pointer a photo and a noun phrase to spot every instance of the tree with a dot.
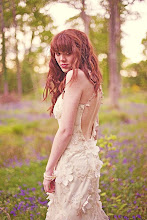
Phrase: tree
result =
(19, 81)
(23, 18)
(114, 50)
(4, 68)
(81, 6)
(86, 18)
(115, 9)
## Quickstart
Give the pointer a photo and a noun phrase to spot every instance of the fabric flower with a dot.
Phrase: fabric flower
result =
(64, 175)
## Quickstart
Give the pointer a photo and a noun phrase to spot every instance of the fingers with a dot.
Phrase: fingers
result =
(51, 190)
(46, 185)
(46, 189)
(52, 187)
(49, 186)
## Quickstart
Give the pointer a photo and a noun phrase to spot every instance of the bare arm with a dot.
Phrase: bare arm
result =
(63, 136)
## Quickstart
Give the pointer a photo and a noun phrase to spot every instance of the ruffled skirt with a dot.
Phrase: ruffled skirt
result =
(76, 195)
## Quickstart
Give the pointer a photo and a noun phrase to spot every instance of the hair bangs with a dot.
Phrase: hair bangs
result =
(62, 43)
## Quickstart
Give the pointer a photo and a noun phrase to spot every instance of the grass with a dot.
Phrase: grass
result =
(26, 136)
(22, 191)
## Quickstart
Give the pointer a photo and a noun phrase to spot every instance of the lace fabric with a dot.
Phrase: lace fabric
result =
(76, 195)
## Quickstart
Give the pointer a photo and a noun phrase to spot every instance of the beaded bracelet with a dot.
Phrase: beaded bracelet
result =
(50, 178)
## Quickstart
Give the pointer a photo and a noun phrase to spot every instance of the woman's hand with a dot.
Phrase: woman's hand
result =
(49, 186)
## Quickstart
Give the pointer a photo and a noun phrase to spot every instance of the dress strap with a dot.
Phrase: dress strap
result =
(88, 103)
(93, 95)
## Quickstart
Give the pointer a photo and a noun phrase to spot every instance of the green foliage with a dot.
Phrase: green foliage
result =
(141, 75)
(122, 150)
(11, 78)
(99, 37)
(115, 117)
(28, 72)
(104, 69)
(144, 43)
(29, 20)
(137, 72)
(27, 83)
(22, 189)
(99, 34)
(19, 137)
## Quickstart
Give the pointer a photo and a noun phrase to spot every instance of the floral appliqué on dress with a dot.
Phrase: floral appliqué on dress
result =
(76, 195)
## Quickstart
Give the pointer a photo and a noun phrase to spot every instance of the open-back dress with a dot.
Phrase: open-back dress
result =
(76, 195)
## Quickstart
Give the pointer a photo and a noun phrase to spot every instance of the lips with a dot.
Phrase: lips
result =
(64, 65)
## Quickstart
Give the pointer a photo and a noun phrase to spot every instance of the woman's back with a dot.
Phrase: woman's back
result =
(91, 103)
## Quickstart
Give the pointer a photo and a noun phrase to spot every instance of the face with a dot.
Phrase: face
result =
(64, 60)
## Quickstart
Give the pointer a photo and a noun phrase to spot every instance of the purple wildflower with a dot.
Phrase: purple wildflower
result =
(33, 189)
(13, 213)
(124, 161)
(22, 192)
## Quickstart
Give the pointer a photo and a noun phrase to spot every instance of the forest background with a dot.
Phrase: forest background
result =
(27, 131)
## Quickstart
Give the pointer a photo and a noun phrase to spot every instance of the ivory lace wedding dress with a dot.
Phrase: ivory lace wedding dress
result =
(76, 195)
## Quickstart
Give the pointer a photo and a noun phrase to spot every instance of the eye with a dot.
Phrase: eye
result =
(68, 54)
(57, 54)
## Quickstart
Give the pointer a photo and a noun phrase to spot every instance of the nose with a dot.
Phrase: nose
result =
(62, 58)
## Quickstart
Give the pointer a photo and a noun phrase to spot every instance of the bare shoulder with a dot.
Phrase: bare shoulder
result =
(81, 78)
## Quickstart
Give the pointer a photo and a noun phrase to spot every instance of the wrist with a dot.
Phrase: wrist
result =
(49, 178)
(49, 172)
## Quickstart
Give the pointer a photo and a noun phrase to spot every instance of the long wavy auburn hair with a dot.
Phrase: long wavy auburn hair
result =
(75, 42)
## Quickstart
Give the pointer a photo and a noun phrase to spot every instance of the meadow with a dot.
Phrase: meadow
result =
(26, 135)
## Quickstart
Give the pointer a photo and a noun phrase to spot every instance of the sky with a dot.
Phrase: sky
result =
(134, 30)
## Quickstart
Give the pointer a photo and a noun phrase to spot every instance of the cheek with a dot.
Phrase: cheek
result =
(57, 59)
(72, 59)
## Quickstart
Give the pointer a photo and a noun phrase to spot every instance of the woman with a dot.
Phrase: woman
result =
(72, 173)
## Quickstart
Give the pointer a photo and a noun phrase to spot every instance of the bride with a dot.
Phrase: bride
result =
(72, 174)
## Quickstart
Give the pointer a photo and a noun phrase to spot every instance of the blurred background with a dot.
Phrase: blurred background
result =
(116, 29)
(118, 32)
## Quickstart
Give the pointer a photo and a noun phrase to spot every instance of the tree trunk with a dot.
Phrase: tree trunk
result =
(86, 18)
(4, 68)
(19, 81)
(114, 44)
(118, 45)
(33, 75)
